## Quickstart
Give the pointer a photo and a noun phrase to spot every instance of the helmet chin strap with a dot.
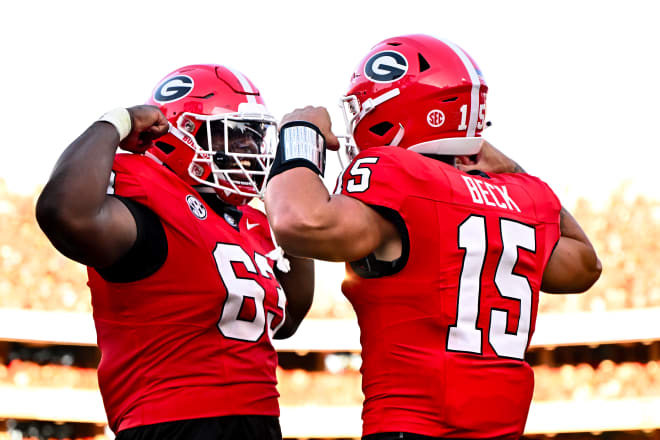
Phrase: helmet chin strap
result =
(398, 136)
(151, 156)
(371, 103)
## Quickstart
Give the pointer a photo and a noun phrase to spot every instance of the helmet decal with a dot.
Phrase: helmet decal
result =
(475, 77)
(196, 170)
(174, 89)
(196, 207)
(435, 118)
(247, 87)
(386, 66)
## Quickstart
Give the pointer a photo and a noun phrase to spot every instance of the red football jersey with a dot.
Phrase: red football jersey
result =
(193, 339)
(444, 338)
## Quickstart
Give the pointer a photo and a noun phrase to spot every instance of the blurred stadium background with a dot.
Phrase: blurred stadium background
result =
(596, 356)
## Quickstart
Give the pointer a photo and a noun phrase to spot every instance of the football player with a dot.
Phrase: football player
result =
(447, 242)
(188, 289)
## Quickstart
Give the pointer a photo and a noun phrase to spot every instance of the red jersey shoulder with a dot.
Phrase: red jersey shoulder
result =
(550, 200)
(546, 202)
(519, 194)
(142, 178)
(124, 177)
(385, 175)
(133, 174)
(134, 163)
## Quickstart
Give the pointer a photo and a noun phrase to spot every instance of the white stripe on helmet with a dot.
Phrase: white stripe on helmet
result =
(245, 84)
(476, 85)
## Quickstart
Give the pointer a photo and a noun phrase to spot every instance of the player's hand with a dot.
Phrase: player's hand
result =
(318, 116)
(489, 160)
(147, 123)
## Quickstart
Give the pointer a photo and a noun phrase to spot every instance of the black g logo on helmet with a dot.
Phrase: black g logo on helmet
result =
(173, 89)
(386, 66)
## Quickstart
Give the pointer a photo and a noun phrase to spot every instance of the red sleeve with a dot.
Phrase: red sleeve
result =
(549, 207)
(547, 202)
(370, 176)
(124, 180)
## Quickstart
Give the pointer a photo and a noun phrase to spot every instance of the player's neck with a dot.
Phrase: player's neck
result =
(449, 160)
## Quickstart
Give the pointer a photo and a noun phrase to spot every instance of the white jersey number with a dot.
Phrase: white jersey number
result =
(240, 290)
(465, 336)
(363, 175)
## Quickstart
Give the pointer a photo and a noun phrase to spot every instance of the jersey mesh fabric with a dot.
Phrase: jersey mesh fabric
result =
(164, 355)
(414, 378)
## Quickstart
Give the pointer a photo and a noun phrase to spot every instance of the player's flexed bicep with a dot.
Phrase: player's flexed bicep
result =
(73, 209)
(250, 308)
(317, 225)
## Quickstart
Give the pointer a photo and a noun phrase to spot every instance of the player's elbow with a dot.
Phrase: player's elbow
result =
(572, 275)
(66, 229)
(589, 269)
(288, 329)
(592, 272)
(49, 215)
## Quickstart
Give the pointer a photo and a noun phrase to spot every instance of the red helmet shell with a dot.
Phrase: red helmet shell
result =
(441, 93)
(204, 90)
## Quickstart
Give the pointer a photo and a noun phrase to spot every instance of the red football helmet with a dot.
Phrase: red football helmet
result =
(416, 92)
(221, 133)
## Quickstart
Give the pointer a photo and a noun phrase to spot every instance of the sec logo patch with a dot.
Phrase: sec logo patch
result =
(196, 207)
(435, 118)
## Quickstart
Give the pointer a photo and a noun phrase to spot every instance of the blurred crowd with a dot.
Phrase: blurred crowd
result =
(568, 382)
(33, 275)
(608, 380)
(40, 430)
(626, 234)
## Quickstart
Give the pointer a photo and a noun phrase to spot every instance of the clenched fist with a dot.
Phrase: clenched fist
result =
(147, 123)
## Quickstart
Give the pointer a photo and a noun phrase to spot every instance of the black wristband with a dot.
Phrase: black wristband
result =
(301, 144)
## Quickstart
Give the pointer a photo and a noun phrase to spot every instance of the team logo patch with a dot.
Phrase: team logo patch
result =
(196, 207)
(174, 89)
(435, 118)
(197, 170)
(387, 66)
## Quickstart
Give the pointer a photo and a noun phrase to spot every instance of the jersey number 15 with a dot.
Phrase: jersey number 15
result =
(465, 336)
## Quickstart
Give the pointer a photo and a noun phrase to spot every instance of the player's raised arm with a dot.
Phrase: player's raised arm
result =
(73, 209)
(306, 219)
(574, 266)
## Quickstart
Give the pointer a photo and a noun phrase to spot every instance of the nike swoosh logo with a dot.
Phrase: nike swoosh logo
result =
(250, 225)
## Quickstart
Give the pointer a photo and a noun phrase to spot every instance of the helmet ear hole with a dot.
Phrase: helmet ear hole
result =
(165, 148)
(423, 64)
(381, 128)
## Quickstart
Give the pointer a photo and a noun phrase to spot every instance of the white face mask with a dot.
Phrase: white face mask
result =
(353, 113)
(240, 153)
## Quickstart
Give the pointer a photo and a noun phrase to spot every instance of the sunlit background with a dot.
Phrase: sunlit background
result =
(573, 97)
